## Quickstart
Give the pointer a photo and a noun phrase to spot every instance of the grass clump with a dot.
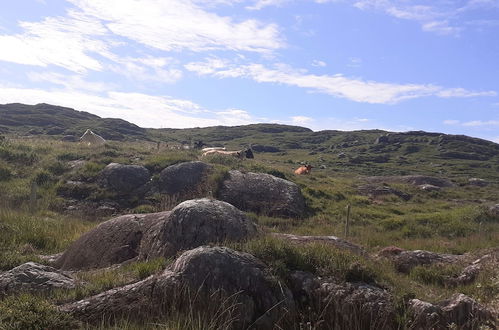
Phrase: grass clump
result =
(31, 312)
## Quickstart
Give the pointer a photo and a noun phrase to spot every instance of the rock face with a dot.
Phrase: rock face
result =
(263, 193)
(405, 261)
(124, 179)
(183, 177)
(204, 272)
(460, 310)
(112, 242)
(198, 222)
(34, 277)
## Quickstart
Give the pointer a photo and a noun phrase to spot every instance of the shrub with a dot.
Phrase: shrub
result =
(42, 178)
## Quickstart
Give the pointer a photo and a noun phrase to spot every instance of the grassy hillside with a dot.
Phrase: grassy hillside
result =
(452, 220)
(46, 119)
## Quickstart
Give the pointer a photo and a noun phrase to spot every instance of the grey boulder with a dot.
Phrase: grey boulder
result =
(34, 277)
(263, 194)
(124, 179)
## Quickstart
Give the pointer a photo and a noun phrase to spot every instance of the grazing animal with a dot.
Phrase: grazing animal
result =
(303, 170)
(212, 148)
(92, 139)
(239, 154)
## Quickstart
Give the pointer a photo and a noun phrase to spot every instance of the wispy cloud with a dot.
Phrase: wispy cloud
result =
(440, 17)
(354, 89)
(181, 25)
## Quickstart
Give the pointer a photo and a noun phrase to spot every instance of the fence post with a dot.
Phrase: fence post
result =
(32, 197)
(347, 222)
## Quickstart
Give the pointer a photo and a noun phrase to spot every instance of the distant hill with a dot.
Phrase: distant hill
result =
(46, 119)
(370, 152)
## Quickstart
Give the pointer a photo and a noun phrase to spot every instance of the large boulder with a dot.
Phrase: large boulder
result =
(198, 222)
(263, 193)
(124, 179)
(259, 299)
(33, 277)
(112, 242)
(183, 177)
(460, 310)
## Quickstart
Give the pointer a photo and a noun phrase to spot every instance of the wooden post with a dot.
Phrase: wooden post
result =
(347, 222)
(32, 197)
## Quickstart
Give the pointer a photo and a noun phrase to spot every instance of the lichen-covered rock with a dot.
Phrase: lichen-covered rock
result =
(460, 310)
(198, 222)
(428, 187)
(415, 180)
(404, 261)
(494, 210)
(124, 179)
(33, 277)
(183, 177)
(375, 191)
(329, 240)
(478, 182)
(263, 194)
(112, 242)
(260, 300)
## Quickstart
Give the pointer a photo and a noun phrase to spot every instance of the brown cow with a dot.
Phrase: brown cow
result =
(303, 170)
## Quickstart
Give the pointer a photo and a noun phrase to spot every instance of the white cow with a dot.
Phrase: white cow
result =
(92, 139)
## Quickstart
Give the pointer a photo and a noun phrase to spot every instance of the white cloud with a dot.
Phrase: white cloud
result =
(478, 123)
(301, 120)
(318, 63)
(440, 17)
(180, 24)
(451, 122)
(260, 4)
(354, 89)
(70, 82)
(67, 42)
(141, 109)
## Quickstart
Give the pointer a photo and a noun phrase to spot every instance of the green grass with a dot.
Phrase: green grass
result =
(453, 220)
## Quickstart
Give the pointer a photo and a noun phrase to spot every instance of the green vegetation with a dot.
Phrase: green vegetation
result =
(452, 220)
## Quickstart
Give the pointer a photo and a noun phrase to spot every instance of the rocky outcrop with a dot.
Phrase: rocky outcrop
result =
(428, 187)
(112, 242)
(259, 299)
(264, 148)
(329, 240)
(33, 277)
(494, 210)
(197, 222)
(461, 311)
(124, 179)
(478, 182)
(415, 180)
(263, 194)
(182, 178)
(333, 305)
(375, 191)
(405, 261)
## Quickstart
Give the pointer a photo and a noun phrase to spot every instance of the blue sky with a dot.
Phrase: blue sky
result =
(325, 64)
